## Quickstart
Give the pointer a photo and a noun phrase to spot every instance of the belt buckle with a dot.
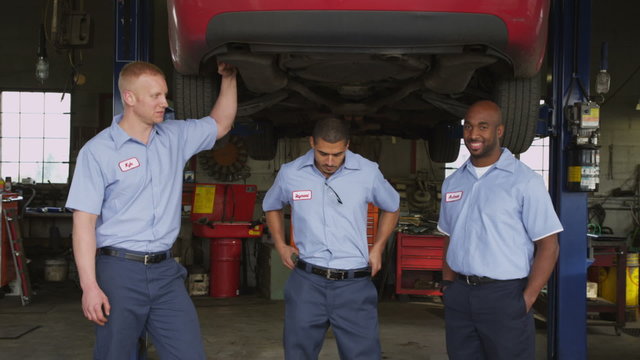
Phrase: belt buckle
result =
(146, 259)
(328, 274)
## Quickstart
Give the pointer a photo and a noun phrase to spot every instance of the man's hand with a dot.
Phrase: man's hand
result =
(93, 303)
(375, 260)
(226, 70)
(285, 252)
(544, 261)
(529, 300)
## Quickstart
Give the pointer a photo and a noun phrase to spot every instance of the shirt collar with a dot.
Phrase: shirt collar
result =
(351, 161)
(120, 136)
(506, 161)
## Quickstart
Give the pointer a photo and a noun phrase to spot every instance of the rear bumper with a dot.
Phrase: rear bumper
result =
(516, 30)
(345, 30)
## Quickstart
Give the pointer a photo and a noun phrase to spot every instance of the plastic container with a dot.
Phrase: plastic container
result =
(55, 270)
(608, 278)
(632, 279)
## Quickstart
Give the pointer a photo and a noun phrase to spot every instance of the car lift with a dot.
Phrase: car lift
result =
(133, 38)
(569, 49)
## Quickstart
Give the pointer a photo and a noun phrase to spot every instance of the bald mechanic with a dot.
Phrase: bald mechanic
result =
(495, 211)
(126, 201)
(329, 189)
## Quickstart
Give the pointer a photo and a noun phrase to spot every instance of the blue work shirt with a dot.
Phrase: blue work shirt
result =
(329, 215)
(492, 221)
(136, 189)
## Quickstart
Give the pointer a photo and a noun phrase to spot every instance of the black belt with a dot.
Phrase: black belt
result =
(150, 258)
(333, 274)
(475, 280)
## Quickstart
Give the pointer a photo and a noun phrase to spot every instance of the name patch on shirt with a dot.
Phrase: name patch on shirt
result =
(129, 164)
(302, 195)
(453, 196)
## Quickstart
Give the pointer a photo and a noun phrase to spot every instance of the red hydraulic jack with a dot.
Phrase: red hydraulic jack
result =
(223, 213)
(10, 214)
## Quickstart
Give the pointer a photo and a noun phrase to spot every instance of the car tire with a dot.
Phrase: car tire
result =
(262, 144)
(193, 95)
(519, 100)
(444, 142)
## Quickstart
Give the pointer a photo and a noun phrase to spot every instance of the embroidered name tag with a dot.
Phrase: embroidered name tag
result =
(453, 196)
(302, 195)
(129, 164)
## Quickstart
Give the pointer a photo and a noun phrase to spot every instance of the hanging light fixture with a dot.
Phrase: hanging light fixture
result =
(42, 63)
(603, 79)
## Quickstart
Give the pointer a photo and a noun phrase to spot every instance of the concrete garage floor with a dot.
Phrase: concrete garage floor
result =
(248, 327)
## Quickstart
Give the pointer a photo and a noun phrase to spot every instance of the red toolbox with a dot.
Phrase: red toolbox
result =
(419, 264)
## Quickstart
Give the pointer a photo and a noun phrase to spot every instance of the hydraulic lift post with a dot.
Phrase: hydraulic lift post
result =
(132, 34)
(569, 49)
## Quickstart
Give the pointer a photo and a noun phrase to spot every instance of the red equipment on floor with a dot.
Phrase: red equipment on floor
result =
(7, 269)
(419, 264)
(223, 213)
(12, 230)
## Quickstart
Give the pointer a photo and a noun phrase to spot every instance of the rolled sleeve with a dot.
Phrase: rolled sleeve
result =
(199, 135)
(538, 214)
(275, 198)
(443, 225)
(384, 195)
(87, 187)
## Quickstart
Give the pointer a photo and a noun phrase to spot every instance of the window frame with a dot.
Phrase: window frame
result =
(52, 141)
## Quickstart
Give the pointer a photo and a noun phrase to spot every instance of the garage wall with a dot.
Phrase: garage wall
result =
(616, 23)
(392, 154)
(20, 36)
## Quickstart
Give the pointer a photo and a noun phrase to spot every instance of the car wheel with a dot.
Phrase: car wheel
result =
(444, 142)
(193, 95)
(263, 143)
(520, 103)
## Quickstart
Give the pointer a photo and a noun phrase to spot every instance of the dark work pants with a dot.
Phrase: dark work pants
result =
(313, 303)
(488, 321)
(151, 297)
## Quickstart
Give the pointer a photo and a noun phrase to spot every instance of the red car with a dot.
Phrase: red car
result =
(408, 68)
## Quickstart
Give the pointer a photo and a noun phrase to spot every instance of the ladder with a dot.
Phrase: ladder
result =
(17, 250)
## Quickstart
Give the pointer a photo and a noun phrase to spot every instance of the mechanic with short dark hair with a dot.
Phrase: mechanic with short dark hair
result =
(126, 201)
(493, 210)
(329, 189)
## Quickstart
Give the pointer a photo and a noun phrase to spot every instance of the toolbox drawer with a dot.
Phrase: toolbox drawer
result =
(419, 264)
(411, 241)
(420, 251)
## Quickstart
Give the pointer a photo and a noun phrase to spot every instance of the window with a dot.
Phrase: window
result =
(537, 158)
(35, 135)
